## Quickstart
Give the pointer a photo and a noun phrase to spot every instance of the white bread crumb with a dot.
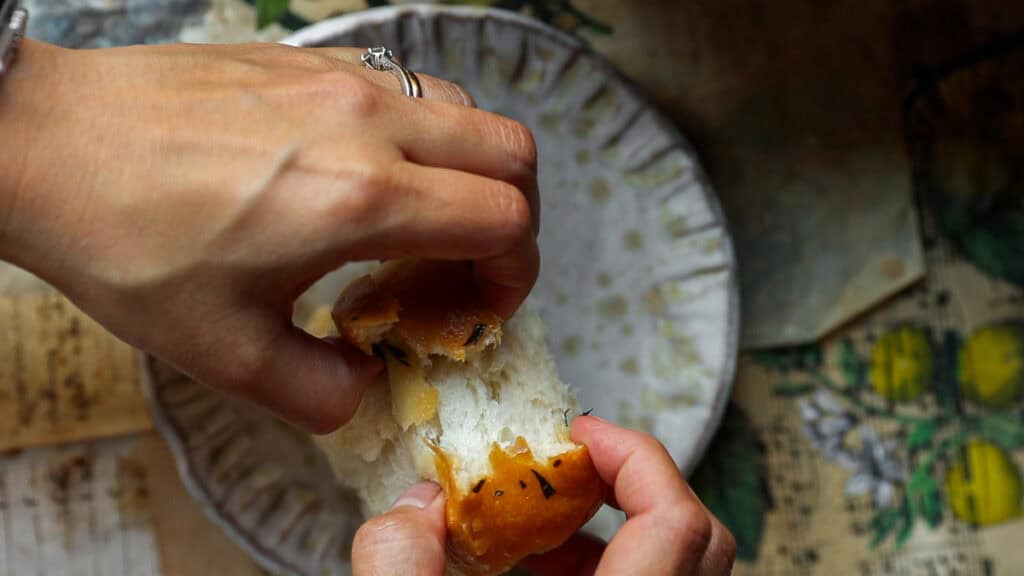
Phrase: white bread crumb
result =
(493, 397)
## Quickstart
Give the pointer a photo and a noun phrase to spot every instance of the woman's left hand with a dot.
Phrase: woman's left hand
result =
(184, 196)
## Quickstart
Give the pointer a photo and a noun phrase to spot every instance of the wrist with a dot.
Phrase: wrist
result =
(26, 95)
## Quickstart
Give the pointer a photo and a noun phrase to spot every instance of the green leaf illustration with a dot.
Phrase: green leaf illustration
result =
(898, 521)
(922, 495)
(931, 503)
(270, 11)
(811, 357)
(920, 435)
(1004, 429)
(804, 358)
(729, 482)
(907, 525)
(851, 367)
(791, 389)
(771, 359)
(884, 523)
(946, 388)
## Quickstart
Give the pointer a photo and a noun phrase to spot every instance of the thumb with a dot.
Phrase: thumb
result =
(408, 539)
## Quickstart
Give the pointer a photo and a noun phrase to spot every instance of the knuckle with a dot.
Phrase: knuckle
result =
(374, 178)
(514, 213)
(520, 143)
(728, 547)
(354, 95)
(651, 446)
(248, 363)
(465, 98)
(456, 94)
(691, 526)
(365, 184)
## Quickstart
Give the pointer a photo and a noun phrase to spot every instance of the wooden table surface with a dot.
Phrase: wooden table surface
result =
(86, 487)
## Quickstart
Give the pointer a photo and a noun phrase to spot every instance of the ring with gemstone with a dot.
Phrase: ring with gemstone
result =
(383, 60)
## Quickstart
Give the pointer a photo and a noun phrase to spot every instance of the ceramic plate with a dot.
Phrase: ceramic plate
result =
(638, 282)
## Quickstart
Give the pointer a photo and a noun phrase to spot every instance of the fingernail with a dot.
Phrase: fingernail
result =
(419, 496)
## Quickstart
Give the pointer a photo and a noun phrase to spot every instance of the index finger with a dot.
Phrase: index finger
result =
(667, 530)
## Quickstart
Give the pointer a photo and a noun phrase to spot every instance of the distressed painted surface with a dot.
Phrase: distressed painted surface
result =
(79, 510)
(63, 378)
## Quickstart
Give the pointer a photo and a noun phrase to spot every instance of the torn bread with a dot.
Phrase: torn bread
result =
(430, 308)
(466, 402)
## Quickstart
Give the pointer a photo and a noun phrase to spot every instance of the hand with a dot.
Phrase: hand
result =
(667, 532)
(184, 196)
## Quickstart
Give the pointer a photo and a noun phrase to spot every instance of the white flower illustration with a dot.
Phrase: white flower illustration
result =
(879, 470)
(876, 465)
(826, 424)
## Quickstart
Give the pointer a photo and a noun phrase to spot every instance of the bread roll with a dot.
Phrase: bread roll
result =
(468, 403)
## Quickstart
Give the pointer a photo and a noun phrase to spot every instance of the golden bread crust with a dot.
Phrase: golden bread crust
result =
(432, 308)
(523, 507)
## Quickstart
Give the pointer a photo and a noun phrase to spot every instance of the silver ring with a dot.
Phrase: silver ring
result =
(382, 60)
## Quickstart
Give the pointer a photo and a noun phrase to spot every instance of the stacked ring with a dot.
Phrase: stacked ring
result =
(383, 60)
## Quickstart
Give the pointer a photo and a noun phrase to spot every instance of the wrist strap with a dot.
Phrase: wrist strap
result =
(13, 19)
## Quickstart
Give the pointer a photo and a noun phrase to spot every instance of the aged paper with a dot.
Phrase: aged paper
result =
(893, 448)
(62, 376)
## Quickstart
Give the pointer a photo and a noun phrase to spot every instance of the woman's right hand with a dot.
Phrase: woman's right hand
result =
(185, 195)
(667, 531)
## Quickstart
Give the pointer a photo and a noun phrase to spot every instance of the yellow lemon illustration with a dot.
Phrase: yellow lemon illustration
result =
(992, 366)
(901, 364)
(984, 486)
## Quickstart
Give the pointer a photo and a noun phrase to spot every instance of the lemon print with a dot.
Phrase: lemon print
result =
(984, 487)
(901, 364)
(992, 366)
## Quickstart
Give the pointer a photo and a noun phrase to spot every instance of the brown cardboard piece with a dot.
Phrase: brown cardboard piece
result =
(796, 110)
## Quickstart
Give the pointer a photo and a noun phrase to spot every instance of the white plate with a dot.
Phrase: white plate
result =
(638, 282)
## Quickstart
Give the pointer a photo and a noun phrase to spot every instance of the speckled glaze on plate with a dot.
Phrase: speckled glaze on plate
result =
(638, 281)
